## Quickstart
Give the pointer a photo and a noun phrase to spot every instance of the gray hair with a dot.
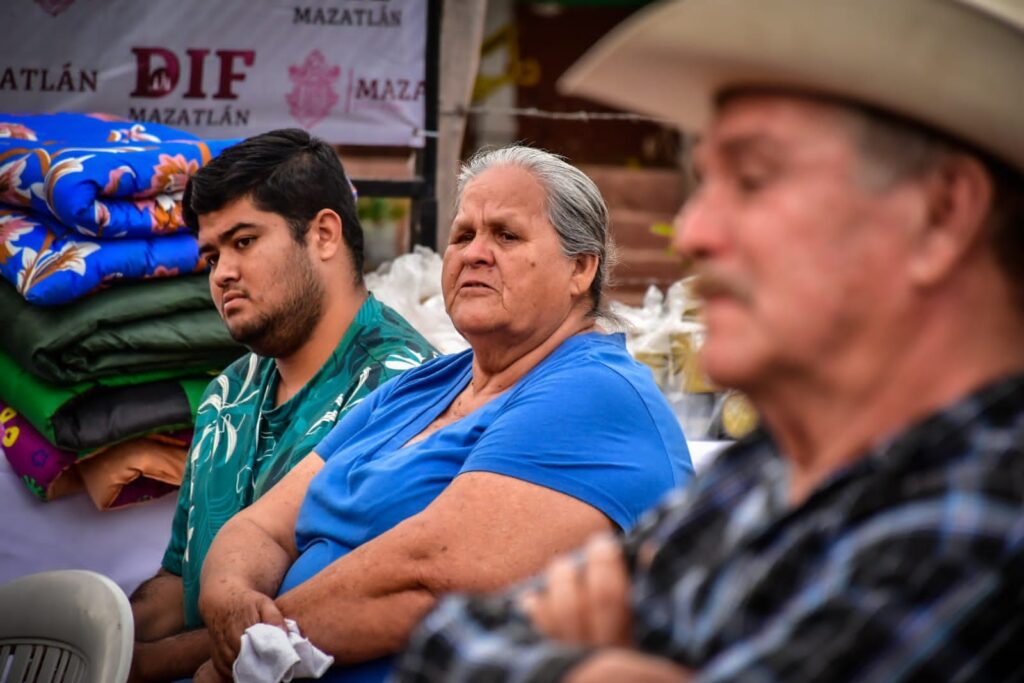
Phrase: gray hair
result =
(893, 149)
(575, 206)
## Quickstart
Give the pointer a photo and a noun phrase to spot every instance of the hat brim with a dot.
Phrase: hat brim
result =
(955, 65)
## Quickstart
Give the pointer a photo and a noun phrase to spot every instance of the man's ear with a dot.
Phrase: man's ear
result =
(325, 234)
(584, 270)
(959, 199)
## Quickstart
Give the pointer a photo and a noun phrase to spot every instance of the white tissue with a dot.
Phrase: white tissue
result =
(269, 655)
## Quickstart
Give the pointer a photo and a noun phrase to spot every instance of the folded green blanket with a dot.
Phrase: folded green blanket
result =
(167, 324)
(89, 415)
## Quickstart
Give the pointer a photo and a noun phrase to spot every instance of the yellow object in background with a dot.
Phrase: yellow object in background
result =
(739, 417)
(658, 363)
(686, 372)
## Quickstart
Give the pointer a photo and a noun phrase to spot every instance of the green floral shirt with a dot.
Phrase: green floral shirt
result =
(243, 444)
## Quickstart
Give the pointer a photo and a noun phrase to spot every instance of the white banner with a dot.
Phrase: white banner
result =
(349, 71)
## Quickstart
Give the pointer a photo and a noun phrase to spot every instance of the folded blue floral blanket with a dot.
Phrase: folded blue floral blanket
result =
(49, 263)
(103, 176)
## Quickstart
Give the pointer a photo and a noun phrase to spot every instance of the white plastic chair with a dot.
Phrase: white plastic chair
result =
(70, 626)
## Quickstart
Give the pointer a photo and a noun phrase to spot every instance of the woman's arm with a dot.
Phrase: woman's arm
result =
(483, 532)
(247, 561)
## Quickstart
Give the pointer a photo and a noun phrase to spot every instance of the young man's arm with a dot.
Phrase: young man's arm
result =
(158, 607)
(164, 651)
(171, 658)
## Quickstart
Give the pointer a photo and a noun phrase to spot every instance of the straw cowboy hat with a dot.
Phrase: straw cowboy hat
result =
(956, 65)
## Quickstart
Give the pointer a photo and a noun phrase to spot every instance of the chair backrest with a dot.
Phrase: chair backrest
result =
(70, 626)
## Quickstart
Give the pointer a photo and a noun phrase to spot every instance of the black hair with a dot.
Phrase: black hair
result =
(287, 172)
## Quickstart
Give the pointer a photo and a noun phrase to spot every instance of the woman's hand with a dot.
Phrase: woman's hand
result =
(229, 610)
(247, 561)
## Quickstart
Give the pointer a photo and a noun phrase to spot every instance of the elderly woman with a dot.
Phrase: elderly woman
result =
(473, 470)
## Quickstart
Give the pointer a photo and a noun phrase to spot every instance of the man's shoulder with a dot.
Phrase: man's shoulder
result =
(235, 384)
(973, 447)
(984, 461)
(390, 340)
(242, 367)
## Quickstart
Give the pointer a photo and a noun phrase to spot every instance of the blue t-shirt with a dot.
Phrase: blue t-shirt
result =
(587, 421)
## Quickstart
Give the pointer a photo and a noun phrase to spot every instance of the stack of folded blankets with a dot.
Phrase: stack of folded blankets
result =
(108, 336)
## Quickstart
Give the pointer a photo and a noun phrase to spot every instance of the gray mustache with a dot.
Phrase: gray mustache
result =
(709, 284)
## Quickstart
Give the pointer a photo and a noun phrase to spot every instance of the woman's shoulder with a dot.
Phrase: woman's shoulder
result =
(595, 357)
(598, 374)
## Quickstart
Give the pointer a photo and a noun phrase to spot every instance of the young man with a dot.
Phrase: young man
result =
(276, 222)
(859, 235)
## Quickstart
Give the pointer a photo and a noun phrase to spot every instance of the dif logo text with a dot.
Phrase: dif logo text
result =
(159, 71)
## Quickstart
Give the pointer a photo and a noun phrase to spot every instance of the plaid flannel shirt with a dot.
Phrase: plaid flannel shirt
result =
(907, 565)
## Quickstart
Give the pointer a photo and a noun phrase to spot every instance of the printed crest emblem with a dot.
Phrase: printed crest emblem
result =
(54, 7)
(313, 96)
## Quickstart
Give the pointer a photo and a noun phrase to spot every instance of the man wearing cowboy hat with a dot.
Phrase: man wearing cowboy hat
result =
(859, 234)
